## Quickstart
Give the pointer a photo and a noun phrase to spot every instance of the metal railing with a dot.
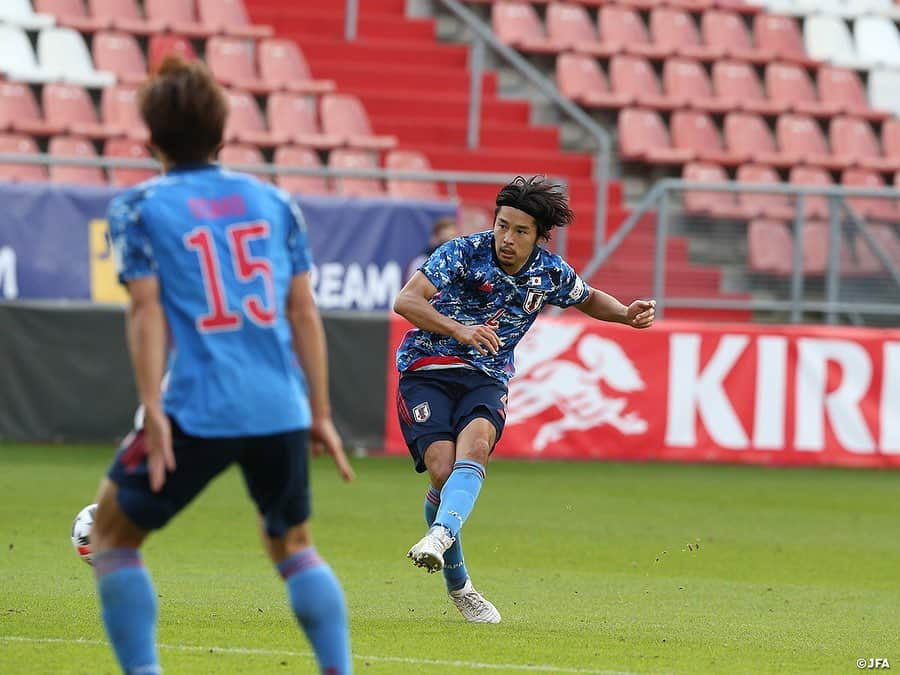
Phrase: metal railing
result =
(666, 204)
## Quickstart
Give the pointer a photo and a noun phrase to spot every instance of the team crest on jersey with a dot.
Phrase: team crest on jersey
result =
(534, 300)
(422, 412)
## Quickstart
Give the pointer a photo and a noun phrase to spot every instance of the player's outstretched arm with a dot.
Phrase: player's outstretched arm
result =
(312, 352)
(146, 329)
(413, 304)
(603, 306)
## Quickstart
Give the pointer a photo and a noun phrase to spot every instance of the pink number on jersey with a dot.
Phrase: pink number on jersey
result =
(219, 318)
(247, 267)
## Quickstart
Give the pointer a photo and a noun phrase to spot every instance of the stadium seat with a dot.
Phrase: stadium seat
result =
(737, 84)
(70, 107)
(725, 31)
(769, 247)
(126, 148)
(19, 144)
(643, 137)
(120, 54)
(569, 26)
(780, 36)
(355, 187)
(343, 115)
(516, 24)
(828, 38)
(119, 111)
(410, 160)
(877, 41)
(748, 137)
(716, 204)
(294, 116)
(687, 83)
(245, 123)
(17, 59)
(791, 86)
(621, 30)
(235, 154)
(815, 206)
(876, 208)
(766, 204)
(696, 132)
(20, 13)
(675, 31)
(854, 138)
(161, 45)
(72, 14)
(580, 78)
(842, 88)
(801, 137)
(283, 66)
(125, 16)
(815, 250)
(233, 62)
(230, 17)
(177, 16)
(890, 138)
(64, 51)
(886, 240)
(884, 90)
(292, 155)
(633, 77)
(19, 111)
(73, 146)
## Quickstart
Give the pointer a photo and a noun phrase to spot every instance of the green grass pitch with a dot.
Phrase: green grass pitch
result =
(596, 568)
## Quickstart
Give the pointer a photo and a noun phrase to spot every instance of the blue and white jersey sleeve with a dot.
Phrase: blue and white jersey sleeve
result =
(446, 264)
(131, 245)
(571, 289)
(298, 245)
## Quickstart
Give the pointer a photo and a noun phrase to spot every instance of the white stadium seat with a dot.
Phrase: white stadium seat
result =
(63, 50)
(877, 41)
(20, 13)
(828, 38)
(17, 60)
(884, 90)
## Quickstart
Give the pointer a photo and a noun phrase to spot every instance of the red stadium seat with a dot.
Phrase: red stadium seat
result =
(245, 123)
(177, 16)
(717, 204)
(119, 110)
(355, 187)
(236, 154)
(127, 148)
(120, 54)
(780, 35)
(72, 14)
(674, 30)
(517, 24)
(789, 85)
(283, 66)
(233, 62)
(19, 111)
(124, 15)
(70, 107)
(343, 115)
(815, 250)
(643, 137)
(738, 84)
(769, 205)
(748, 137)
(410, 160)
(633, 77)
(890, 137)
(294, 116)
(877, 208)
(160, 46)
(855, 139)
(687, 84)
(230, 17)
(815, 206)
(726, 31)
(570, 27)
(696, 132)
(621, 29)
(579, 78)
(801, 136)
(886, 240)
(19, 144)
(842, 89)
(291, 155)
(769, 247)
(72, 146)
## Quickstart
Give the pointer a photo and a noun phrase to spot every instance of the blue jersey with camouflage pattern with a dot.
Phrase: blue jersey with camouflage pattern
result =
(473, 289)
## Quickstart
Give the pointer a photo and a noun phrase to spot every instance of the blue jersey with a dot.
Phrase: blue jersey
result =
(473, 289)
(224, 247)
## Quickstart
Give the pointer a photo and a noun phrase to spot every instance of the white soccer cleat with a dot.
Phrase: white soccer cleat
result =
(429, 551)
(472, 605)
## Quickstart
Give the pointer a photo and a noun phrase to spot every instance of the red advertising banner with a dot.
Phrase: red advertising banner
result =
(680, 391)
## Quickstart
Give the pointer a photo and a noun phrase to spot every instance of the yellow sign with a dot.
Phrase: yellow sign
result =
(105, 286)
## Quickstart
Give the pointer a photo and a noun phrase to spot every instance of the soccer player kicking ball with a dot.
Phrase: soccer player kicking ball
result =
(219, 261)
(472, 301)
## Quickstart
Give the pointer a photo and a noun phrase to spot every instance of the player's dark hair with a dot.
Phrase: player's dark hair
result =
(544, 201)
(185, 109)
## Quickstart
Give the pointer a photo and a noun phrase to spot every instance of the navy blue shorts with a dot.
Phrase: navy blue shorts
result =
(435, 405)
(274, 469)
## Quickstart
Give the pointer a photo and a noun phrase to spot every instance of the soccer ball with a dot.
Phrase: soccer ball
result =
(81, 533)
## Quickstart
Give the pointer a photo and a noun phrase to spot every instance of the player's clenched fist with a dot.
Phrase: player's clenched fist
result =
(483, 338)
(641, 313)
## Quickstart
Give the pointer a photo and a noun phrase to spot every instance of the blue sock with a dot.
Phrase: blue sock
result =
(459, 495)
(455, 573)
(318, 603)
(128, 606)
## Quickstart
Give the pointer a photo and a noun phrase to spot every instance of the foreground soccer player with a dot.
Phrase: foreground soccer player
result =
(472, 301)
(219, 260)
